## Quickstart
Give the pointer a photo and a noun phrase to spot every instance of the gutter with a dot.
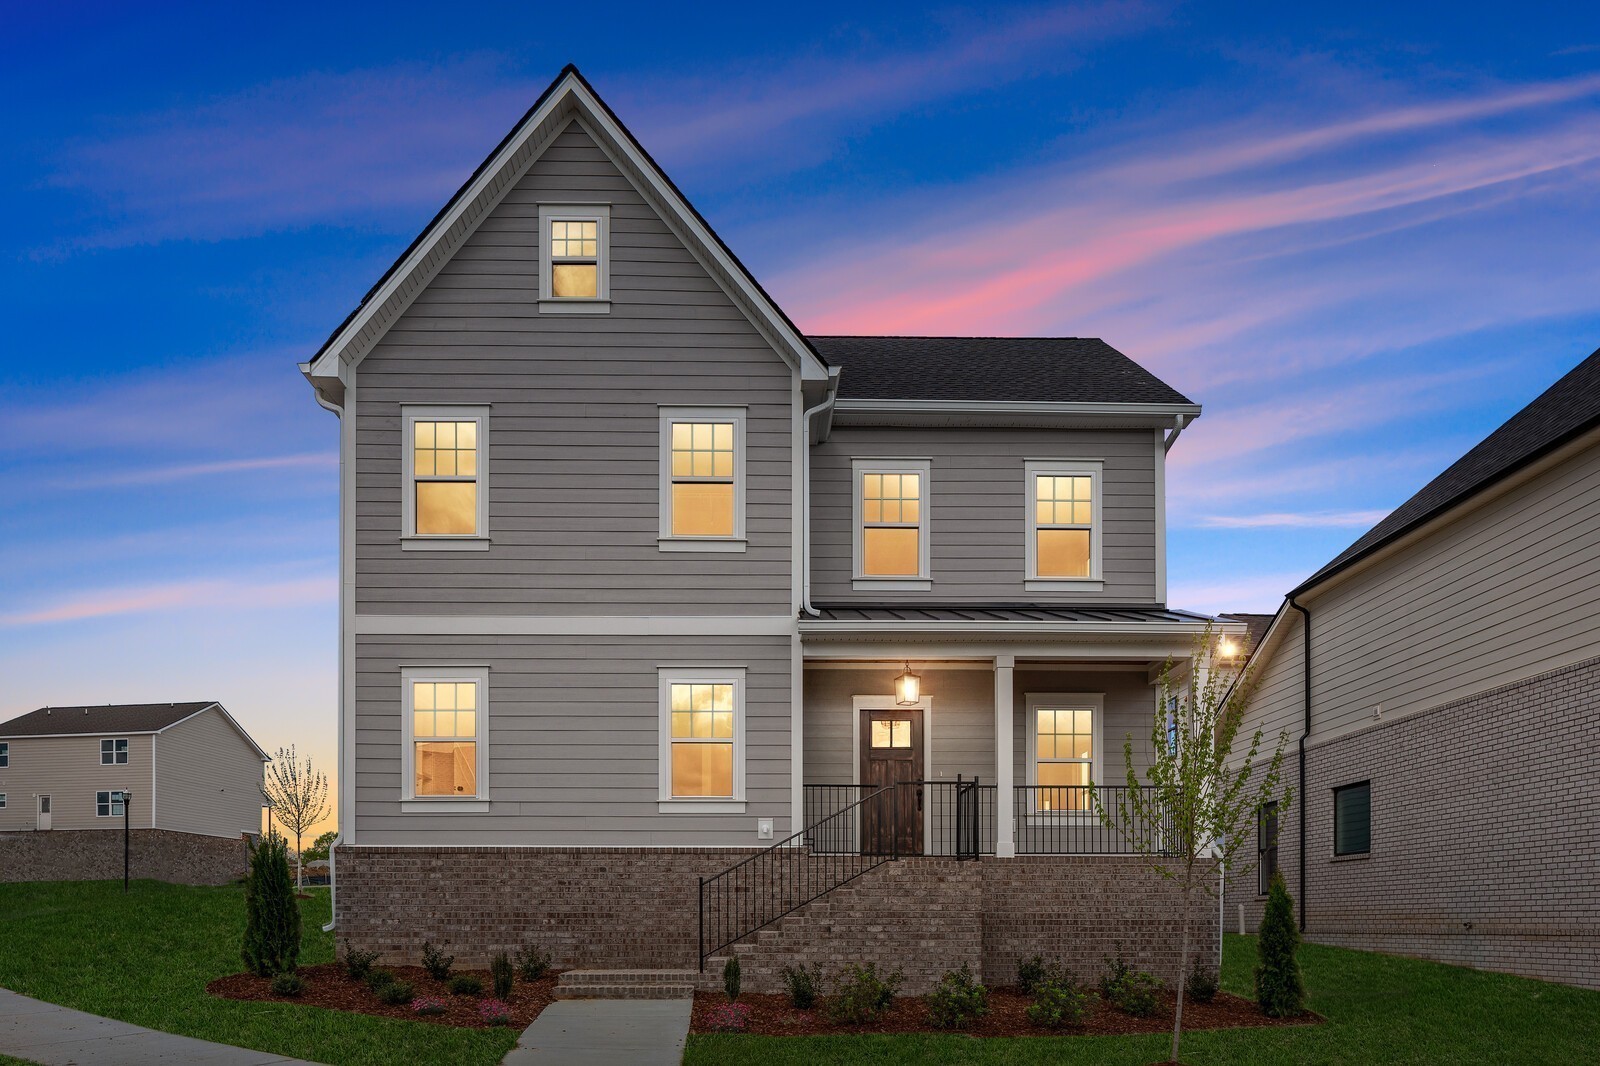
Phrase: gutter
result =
(805, 490)
(1305, 692)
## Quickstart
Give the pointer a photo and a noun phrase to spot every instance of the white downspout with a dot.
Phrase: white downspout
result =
(333, 881)
(805, 491)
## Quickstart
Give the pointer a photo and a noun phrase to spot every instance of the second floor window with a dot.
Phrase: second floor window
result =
(702, 476)
(1063, 521)
(5, 756)
(891, 507)
(113, 752)
(445, 473)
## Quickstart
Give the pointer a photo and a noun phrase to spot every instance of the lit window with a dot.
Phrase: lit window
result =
(113, 752)
(445, 470)
(108, 804)
(1063, 521)
(573, 260)
(702, 741)
(1352, 819)
(702, 477)
(444, 738)
(1063, 750)
(891, 733)
(892, 516)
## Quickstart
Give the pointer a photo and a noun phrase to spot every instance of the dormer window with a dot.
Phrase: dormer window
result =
(574, 274)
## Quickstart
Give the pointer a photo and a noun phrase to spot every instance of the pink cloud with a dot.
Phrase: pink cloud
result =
(180, 595)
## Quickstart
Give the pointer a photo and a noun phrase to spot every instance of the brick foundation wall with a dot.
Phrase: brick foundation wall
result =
(1485, 833)
(96, 855)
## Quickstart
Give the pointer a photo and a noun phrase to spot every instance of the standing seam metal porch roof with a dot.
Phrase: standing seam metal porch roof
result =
(1002, 612)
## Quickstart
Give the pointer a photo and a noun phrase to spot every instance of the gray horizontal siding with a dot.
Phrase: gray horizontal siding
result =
(978, 511)
(1130, 705)
(962, 721)
(573, 430)
(573, 740)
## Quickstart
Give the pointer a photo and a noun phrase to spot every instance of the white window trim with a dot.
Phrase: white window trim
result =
(600, 215)
(127, 751)
(410, 802)
(410, 539)
(859, 468)
(666, 677)
(1034, 702)
(111, 803)
(1094, 469)
(5, 754)
(2, 801)
(665, 540)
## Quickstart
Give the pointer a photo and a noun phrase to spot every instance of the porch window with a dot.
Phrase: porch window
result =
(445, 714)
(1352, 819)
(108, 804)
(1063, 750)
(1266, 845)
(446, 465)
(113, 752)
(891, 511)
(702, 479)
(702, 758)
(575, 273)
(1063, 521)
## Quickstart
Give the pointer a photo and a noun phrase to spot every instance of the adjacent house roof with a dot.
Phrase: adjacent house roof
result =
(1256, 625)
(1048, 369)
(119, 718)
(1564, 411)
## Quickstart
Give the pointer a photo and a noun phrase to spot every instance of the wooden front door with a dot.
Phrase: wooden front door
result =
(891, 754)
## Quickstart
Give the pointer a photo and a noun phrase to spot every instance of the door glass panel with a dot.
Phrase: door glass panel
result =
(891, 733)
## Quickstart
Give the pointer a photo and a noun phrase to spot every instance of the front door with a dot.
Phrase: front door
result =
(891, 754)
(44, 812)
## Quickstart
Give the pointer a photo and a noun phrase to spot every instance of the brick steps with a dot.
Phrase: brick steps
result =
(626, 984)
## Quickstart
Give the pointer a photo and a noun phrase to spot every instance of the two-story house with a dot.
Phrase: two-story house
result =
(183, 780)
(661, 620)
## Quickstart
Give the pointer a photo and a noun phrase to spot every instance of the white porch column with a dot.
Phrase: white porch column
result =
(1005, 844)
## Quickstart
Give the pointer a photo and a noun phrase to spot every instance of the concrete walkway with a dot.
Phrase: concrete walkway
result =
(56, 1036)
(605, 1032)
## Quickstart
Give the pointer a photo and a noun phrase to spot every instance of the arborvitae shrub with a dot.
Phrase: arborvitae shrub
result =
(1201, 984)
(1279, 988)
(500, 975)
(731, 978)
(272, 914)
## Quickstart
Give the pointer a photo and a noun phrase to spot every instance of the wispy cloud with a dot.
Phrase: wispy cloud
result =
(178, 595)
(1293, 520)
(184, 471)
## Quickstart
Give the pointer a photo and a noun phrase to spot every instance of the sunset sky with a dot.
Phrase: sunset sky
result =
(1361, 240)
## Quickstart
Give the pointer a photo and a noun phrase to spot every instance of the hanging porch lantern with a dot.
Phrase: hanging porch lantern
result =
(907, 688)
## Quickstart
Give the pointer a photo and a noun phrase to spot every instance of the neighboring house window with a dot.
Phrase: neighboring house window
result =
(1352, 819)
(2, 800)
(702, 478)
(446, 502)
(108, 804)
(702, 740)
(5, 756)
(575, 272)
(1063, 749)
(1266, 845)
(891, 522)
(113, 752)
(1063, 520)
(446, 718)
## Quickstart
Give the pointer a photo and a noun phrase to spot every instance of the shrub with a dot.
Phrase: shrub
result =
(500, 975)
(861, 994)
(1201, 984)
(532, 963)
(1058, 1003)
(377, 979)
(728, 1018)
(494, 1012)
(427, 1005)
(802, 985)
(436, 962)
(272, 915)
(395, 993)
(287, 983)
(1031, 973)
(1279, 989)
(357, 964)
(730, 978)
(464, 984)
(958, 999)
(1130, 991)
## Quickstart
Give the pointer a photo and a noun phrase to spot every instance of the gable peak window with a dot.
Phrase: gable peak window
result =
(574, 273)
(891, 520)
(446, 468)
(702, 479)
(1064, 522)
(113, 752)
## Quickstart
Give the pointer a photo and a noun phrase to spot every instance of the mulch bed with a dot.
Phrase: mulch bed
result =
(773, 1016)
(327, 986)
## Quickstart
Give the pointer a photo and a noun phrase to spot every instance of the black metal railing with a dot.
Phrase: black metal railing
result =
(829, 834)
(1066, 820)
(752, 894)
(952, 818)
(960, 817)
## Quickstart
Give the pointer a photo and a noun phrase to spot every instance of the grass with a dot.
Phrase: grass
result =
(146, 957)
(1380, 1009)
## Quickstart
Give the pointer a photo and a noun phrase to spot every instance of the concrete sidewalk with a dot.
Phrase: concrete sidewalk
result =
(605, 1032)
(56, 1036)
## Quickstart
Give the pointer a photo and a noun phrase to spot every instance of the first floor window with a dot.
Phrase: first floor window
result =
(702, 735)
(2, 800)
(1063, 747)
(1352, 819)
(108, 804)
(1266, 845)
(113, 752)
(445, 714)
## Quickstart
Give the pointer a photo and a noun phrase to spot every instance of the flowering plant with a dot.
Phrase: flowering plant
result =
(729, 1018)
(494, 1012)
(427, 1005)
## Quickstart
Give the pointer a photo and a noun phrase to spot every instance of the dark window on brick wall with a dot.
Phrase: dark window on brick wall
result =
(1266, 845)
(1352, 819)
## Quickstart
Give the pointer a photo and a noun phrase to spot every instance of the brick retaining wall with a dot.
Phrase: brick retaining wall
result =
(96, 855)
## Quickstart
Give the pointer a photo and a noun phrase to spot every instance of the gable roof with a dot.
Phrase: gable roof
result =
(1026, 369)
(1255, 625)
(1563, 412)
(118, 718)
(570, 97)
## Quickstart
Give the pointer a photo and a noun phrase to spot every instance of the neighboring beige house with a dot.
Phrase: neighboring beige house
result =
(1450, 790)
(193, 775)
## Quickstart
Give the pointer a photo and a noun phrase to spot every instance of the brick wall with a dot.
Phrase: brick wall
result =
(96, 855)
(1485, 833)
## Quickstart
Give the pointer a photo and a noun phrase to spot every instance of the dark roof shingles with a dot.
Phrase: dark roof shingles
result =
(111, 718)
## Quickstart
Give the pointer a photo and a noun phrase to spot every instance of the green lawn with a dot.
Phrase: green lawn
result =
(146, 958)
(1379, 1010)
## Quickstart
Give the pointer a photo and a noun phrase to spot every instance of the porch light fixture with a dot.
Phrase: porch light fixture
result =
(907, 688)
(1228, 648)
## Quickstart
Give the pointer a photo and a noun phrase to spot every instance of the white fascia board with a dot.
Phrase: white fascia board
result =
(855, 410)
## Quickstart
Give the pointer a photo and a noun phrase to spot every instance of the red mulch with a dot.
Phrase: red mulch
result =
(327, 986)
(773, 1016)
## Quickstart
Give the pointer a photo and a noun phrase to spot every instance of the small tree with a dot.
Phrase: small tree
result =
(272, 914)
(1279, 990)
(299, 798)
(318, 851)
(1189, 812)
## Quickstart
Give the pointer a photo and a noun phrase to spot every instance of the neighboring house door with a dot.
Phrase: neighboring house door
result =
(44, 812)
(891, 754)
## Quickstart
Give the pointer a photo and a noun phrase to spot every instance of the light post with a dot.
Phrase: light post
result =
(127, 803)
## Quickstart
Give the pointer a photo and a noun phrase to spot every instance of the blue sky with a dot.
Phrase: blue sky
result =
(1361, 239)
